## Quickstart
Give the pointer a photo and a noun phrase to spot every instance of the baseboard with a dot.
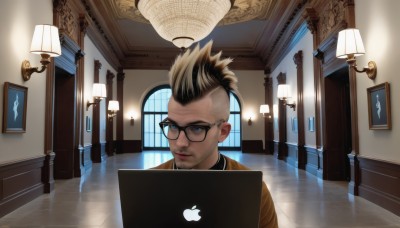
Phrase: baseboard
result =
(21, 182)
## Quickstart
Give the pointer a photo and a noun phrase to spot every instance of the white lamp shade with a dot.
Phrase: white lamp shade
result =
(46, 40)
(264, 108)
(113, 105)
(284, 91)
(99, 90)
(349, 43)
(181, 21)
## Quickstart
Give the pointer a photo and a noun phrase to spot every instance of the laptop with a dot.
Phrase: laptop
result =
(190, 198)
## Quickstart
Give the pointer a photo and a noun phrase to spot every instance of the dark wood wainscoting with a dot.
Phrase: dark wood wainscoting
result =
(128, 146)
(380, 183)
(296, 156)
(86, 157)
(252, 146)
(99, 152)
(21, 182)
(292, 155)
(312, 161)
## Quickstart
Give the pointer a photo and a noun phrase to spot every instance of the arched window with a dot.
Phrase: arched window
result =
(234, 140)
(155, 109)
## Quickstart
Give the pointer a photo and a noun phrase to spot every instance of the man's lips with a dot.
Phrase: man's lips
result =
(182, 155)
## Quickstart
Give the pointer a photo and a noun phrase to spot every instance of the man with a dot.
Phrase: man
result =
(197, 121)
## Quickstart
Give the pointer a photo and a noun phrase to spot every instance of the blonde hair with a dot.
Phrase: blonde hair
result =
(196, 72)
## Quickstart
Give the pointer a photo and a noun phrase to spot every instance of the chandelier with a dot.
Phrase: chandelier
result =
(184, 22)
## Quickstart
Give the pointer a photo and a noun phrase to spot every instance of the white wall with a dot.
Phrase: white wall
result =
(251, 88)
(17, 21)
(92, 54)
(379, 23)
(288, 67)
(139, 82)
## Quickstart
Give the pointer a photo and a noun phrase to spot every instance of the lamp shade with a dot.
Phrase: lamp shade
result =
(283, 91)
(183, 22)
(264, 108)
(113, 105)
(99, 90)
(46, 40)
(349, 43)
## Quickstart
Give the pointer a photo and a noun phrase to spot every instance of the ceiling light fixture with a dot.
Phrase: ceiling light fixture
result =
(184, 22)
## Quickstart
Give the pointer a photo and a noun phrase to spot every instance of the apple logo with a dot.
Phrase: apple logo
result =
(192, 214)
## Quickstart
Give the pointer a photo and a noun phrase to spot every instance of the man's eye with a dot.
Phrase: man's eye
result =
(196, 129)
(173, 126)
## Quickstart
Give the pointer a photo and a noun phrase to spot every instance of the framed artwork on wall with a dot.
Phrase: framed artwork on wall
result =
(14, 108)
(311, 124)
(379, 115)
(88, 124)
(294, 124)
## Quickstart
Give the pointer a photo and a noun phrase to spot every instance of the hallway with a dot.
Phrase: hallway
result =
(301, 200)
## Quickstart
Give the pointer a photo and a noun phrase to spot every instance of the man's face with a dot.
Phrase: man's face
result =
(196, 155)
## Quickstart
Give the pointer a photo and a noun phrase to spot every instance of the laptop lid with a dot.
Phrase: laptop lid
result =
(190, 198)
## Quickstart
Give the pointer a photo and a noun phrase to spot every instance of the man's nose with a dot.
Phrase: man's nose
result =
(182, 140)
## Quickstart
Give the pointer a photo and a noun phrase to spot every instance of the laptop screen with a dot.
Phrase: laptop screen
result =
(190, 198)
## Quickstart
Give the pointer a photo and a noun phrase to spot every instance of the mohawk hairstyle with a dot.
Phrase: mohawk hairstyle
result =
(196, 72)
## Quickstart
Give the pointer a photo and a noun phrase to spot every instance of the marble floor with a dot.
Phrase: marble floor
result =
(301, 199)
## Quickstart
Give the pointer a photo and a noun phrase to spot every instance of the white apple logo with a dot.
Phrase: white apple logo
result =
(192, 214)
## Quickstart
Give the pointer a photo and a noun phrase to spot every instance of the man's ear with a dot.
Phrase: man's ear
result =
(225, 130)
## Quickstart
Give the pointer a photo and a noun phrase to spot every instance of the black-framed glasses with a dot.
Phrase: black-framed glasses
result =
(193, 132)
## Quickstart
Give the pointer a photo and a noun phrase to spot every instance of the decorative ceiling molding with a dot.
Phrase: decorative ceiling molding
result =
(282, 22)
(242, 10)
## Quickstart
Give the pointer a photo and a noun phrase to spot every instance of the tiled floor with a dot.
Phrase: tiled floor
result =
(301, 200)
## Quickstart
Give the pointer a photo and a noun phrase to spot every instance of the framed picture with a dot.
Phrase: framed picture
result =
(88, 124)
(294, 124)
(379, 106)
(311, 126)
(14, 108)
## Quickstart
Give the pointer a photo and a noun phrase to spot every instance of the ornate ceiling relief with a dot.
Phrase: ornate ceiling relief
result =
(243, 10)
(332, 15)
(310, 15)
(68, 22)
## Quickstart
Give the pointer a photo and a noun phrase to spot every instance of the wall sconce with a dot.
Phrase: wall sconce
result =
(113, 108)
(98, 92)
(132, 121)
(249, 116)
(264, 110)
(349, 46)
(45, 42)
(284, 95)
(249, 122)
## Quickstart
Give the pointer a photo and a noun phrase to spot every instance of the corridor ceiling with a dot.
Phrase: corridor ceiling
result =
(249, 32)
